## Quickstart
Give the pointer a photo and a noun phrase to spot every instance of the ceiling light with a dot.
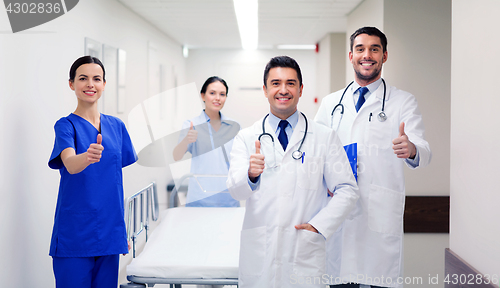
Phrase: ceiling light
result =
(248, 22)
(297, 47)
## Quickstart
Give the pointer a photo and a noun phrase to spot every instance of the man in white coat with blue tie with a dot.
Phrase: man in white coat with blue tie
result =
(283, 166)
(387, 127)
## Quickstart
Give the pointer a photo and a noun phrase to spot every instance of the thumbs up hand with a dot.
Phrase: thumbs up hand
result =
(94, 153)
(257, 147)
(257, 163)
(192, 134)
(403, 147)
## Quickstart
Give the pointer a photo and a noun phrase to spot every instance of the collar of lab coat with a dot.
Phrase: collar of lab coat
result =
(380, 92)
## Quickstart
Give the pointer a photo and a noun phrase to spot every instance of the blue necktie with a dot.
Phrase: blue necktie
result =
(361, 99)
(282, 136)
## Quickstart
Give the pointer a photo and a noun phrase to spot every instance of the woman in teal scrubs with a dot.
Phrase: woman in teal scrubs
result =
(209, 139)
(90, 150)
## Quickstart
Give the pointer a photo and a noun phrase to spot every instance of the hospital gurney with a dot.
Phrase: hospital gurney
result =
(191, 245)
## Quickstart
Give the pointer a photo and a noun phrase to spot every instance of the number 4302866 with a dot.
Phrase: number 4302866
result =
(34, 8)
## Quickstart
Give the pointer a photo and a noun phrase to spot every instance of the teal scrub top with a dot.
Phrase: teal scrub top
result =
(89, 218)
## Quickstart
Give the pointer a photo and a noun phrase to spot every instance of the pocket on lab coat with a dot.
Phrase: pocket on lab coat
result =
(310, 172)
(253, 251)
(385, 210)
(380, 134)
(310, 254)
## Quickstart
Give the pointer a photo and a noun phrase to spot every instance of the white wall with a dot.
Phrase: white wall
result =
(338, 55)
(324, 69)
(330, 62)
(474, 135)
(245, 69)
(34, 69)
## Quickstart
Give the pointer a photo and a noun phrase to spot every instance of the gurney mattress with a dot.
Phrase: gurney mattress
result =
(192, 242)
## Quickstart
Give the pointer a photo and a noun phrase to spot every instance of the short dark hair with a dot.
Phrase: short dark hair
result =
(212, 80)
(85, 60)
(284, 62)
(372, 31)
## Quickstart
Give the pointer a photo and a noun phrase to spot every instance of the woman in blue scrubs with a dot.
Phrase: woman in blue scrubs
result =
(209, 139)
(90, 150)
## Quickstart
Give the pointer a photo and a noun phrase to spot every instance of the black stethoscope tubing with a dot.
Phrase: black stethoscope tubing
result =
(381, 115)
(297, 154)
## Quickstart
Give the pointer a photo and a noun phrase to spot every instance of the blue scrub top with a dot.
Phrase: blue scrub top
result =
(89, 218)
(210, 155)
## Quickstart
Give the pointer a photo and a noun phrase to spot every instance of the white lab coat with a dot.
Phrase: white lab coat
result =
(273, 253)
(369, 244)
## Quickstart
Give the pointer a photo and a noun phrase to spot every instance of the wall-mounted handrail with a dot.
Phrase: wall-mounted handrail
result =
(137, 212)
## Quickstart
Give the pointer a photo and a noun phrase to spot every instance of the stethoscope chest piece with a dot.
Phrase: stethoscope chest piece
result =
(297, 154)
(381, 116)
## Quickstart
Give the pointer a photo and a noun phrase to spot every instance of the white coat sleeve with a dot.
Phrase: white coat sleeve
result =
(414, 129)
(237, 180)
(339, 178)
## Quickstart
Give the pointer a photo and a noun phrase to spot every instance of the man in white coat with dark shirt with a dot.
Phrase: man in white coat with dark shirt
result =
(387, 127)
(284, 176)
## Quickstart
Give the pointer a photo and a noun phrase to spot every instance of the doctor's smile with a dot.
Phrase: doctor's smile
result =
(367, 63)
(283, 98)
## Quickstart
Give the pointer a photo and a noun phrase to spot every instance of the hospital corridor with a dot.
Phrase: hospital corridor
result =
(198, 143)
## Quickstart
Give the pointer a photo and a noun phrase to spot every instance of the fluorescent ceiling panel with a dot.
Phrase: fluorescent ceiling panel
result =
(247, 15)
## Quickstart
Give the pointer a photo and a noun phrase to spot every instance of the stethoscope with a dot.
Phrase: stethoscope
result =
(381, 115)
(297, 154)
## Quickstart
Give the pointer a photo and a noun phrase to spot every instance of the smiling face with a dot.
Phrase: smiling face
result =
(367, 57)
(283, 91)
(215, 96)
(88, 83)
